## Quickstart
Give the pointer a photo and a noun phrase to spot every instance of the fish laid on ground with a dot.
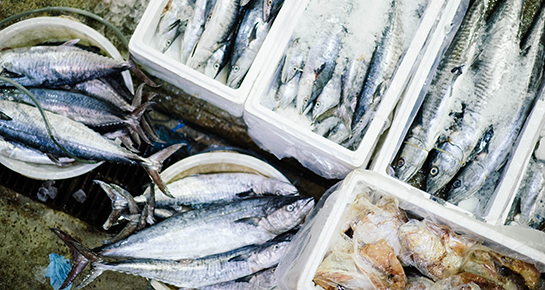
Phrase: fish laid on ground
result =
(173, 22)
(218, 29)
(18, 151)
(319, 66)
(250, 36)
(488, 69)
(103, 91)
(214, 229)
(433, 115)
(263, 280)
(47, 65)
(195, 273)
(203, 189)
(381, 70)
(25, 124)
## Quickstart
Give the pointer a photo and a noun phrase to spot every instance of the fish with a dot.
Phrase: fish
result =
(271, 8)
(195, 27)
(24, 124)
(295, 59)
(433, 116)
(381, 69)
(217, 61)
(242, 223)
(488, 69)
(194, 273)
(46, 65)
(531, 195)
(325, 126)
(250, 36)
(225, 16)
(20, 152)
(263, 280)
(98, 89)
(330, 96)
(339, 134)
(319, 66)
(200, 190)
(287, 92)
(352, 84)
(173, 22)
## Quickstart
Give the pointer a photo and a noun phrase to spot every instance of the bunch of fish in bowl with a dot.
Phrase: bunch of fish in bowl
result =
(476, 105)
(85, 103)
(379, 246)
(216, 34)
(219, 231)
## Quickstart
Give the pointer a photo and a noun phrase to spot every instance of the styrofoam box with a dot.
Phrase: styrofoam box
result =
(285, 138)
(298, 267)
(167, 67)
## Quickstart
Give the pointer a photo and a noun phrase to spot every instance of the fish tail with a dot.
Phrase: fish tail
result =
(81, 256)
(140, 74)
(134, 121)
(153, 164)
(121, 200)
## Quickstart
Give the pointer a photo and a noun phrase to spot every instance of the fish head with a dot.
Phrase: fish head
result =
(288, 72)
(199, 59)
(339, 133)
(467, 182)
(277, 187)
(238, 71)
(268, 255)
(412, 157)
(445, 164)
(267, 7)
(286, 213)
(304, 92)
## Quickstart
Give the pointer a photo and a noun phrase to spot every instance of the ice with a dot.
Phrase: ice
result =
(80, 196)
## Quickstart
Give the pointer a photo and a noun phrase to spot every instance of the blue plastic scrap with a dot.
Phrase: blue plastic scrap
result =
(58, 270)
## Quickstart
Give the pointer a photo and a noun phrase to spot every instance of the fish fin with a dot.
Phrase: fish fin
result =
(118, 204)
(91, 276)
(71, 42)
(246, 194)
(57, 161)
(253, 34)
(134, 121)
(10, 74)
(4, 117)
(137, 100)
(249, 220)
(154, 163)
(145, 123)
(140, 74)
(81, 256)
(125, 232)
(239, 258)
(133, 207)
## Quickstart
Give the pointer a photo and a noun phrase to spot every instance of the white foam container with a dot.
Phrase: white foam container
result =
(168, 67)
(285, 138)
(298, 267)
(39, 30)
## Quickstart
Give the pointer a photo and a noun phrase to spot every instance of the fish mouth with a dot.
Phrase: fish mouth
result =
(442, 169)
(469, 182)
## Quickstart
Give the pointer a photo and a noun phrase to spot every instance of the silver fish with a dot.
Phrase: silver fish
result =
(201, 189)
(217, 61)
(532, 195)
(324, 126)
(46, 65)
(470, 179)
(383, 64)
(271, 100)
(352, 85)
(25, 124)
(195, 27)
(103, 91)
(295, 59)
(216, 32)
(263, 280)
(319, 66)
(433, 115)
(488, 72)
(20, 152)
(287, 92)
(250, 37)
(271, 8)
(214, 229)
(173, 22)
(330, 96)
(339, 134)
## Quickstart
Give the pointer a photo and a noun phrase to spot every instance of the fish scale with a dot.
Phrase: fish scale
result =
(488, 71)
(57, 65)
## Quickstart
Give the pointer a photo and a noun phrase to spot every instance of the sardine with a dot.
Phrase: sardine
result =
(224, 18)
(203, 189)
(382, 66)
(271, 8)
(214, 229)
(488, 71)
(250, 36)
(295, 59)
(25, 124)
(173, 22)
(47, 65)
(195, 27)
(330, 96)
(433, 116)
(319, 66)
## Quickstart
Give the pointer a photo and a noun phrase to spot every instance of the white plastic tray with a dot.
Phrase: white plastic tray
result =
(298, 267)
(42, 29)
(168, 68)
(284, 138)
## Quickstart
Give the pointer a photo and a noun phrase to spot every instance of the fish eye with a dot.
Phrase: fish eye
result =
(294, 68)
(305, 101)
(434, 171)
(457, 183)
(277, 192)
(235, 68)
(400, 162)
(276, 247)
(216, 65)
(277, 97)
(289, 207)
(317, 105)
(269, 2)
(169, 42)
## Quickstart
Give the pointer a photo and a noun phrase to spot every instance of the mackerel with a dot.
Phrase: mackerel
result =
(488, 70)
(287, 92)
(195, 27)
(25, 124)
(47, 65)
(433, 116)
(330, 96)
(323, 127)
(203, 189)
(217, 61)
(20, 152)
(352, 85)
(295, 59)
(532, 195)
(271, 8)
(173, 22)
(98, 89)
(263, 280)
(214, 229)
